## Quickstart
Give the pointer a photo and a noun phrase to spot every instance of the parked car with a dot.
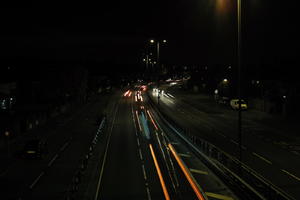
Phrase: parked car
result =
(35, 148)
(234, 103)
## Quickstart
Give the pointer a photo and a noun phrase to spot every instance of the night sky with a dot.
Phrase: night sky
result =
(116, 32)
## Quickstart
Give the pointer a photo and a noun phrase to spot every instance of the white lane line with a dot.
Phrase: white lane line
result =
(148, 193)
(234, 142)
(138, 141)
(218, 196)
(141, 155)
(36, 180)
(290, 174)
(174, 143)
(144, 172)
(53, 159)
(262, 158)
(243, 147)
(221, 134)
(64, 146)
(197, 171)
(105, 155)
(184, 155)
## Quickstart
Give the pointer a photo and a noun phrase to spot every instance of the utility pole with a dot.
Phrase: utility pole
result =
(239, 48)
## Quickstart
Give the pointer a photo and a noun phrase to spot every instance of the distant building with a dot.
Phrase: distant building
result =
(7, 95)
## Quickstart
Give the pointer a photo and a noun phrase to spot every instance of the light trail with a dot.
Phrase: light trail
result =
(162, 182)
(152, 120)
(192, 182)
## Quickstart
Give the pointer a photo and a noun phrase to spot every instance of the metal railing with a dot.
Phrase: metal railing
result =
(74, 186)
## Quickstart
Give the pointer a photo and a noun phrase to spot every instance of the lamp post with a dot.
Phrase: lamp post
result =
(152, 41)
(239, 49)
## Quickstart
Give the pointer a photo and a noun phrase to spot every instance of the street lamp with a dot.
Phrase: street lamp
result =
(152, 41)
(239, 48)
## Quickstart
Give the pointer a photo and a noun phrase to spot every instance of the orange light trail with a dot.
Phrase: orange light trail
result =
(186, 173)
(152, 120)
(162, 182)
(137, 116)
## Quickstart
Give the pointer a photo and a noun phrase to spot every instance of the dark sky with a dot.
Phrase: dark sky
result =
(198, 31)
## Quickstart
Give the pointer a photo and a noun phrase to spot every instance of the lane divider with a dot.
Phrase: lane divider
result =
(197, 171)
(37, 179)
(162, 182)
(200, 194)
(105, 153)
(53, 159)
(292, 175)
(262, 158)
(218, 196)
(137, 116)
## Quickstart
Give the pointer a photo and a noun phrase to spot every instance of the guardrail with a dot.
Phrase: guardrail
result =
(78, 175)
(243, 180)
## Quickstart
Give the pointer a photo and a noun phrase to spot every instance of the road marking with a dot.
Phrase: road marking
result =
(138, 141)
(218, 196)
(234, 142)
(222, 134)
(141, 155)
(162, 182)
(198, 171)
(200, 194)
(243, 147)
(144, 172)
(174, 143)
(64, 146)
(36, 180)
(290, 174)
(184, 155)
(148, 193)
(262, 158)
(105, 155)
(53, 159)
(137, 116)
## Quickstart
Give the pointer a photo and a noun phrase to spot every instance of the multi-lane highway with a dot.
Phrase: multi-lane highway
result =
(138, 155)
(218, 125)
(144, 160)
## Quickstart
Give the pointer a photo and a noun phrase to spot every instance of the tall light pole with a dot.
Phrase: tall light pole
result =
(152, 41)
(239, 49)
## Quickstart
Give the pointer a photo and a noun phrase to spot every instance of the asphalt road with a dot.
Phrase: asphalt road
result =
(138, 162)
(128, 173)
(68, 140)
(276, 164)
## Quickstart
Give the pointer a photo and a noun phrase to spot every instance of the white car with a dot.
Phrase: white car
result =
(234, 103)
